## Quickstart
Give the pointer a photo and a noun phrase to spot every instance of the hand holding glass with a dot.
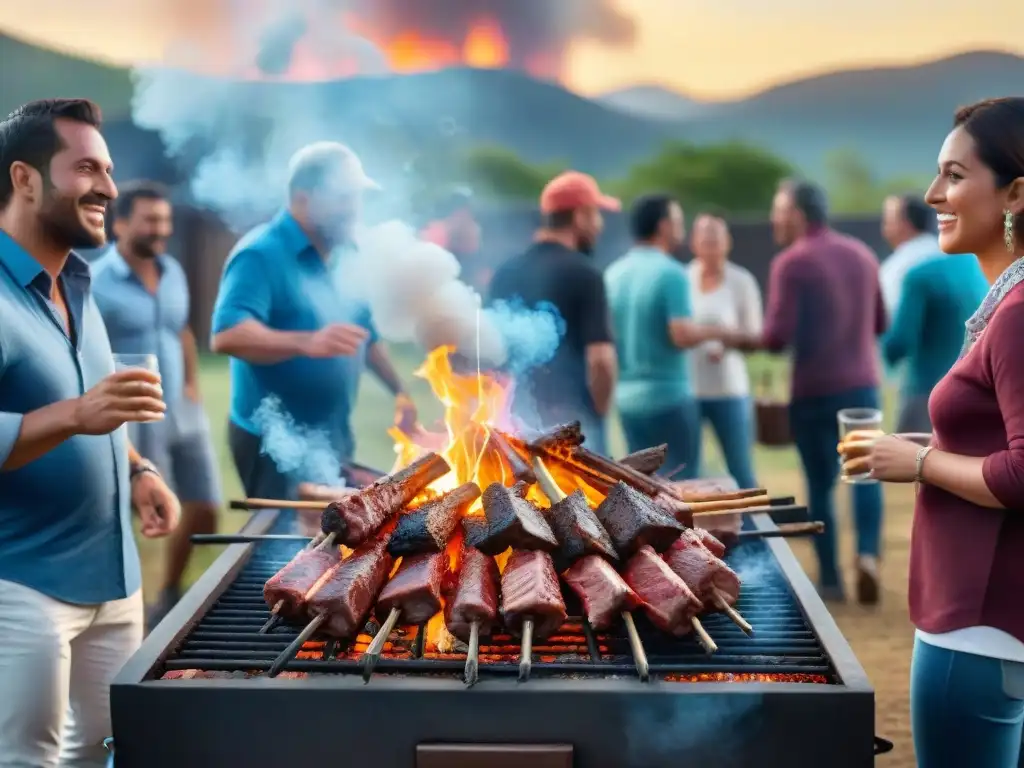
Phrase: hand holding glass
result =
(145, 362)
(858, 430)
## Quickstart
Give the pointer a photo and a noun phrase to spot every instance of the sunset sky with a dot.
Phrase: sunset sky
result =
(712, 49)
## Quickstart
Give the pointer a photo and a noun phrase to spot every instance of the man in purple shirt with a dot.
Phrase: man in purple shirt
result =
(825, 306)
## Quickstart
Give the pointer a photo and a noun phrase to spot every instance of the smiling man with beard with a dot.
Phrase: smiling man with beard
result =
(143, 295)
(70, 598)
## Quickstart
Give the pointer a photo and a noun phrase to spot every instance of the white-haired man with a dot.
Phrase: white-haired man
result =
(292, 330)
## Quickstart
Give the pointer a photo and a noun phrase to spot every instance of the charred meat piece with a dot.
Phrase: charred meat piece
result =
(512, 521)
(648, 460)
(529, 590)
(703, 573)
(352, 587)
(292, 585)
(415, 589)
(715, 547)
(601, 590)
(428, 527)
(633, 521)
(668, 602)
(357, 517)
(476, 595)
(578, 531)
(474, 527)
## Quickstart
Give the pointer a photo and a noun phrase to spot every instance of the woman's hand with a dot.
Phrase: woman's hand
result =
(889, 458)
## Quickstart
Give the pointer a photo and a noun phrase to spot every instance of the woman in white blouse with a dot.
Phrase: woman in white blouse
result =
(724, 294)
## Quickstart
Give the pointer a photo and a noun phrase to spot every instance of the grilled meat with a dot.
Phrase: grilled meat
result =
(512, 521)
(578, 531)
(633, 521)
(668, 602)
(601, 590)
(415, 589)
(428, 527)
(476, 595)
(357, 517)
(648, 460)
(703, 573)
(529, 590)
(715, 547)
(292, 585)
(351, 588)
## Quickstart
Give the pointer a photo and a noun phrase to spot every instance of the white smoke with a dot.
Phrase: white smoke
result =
(298, 451)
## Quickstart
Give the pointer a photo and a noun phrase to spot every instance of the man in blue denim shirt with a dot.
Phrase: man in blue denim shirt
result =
(296, 337)
(70, 602)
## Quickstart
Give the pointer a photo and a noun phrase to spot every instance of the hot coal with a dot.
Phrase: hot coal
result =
(529, 590)
(602, 591)
(428, 527)
(415, 589)
(352, 588)
(292, 584)
(512, 521)
(578, 531)
(704, 574)
(668, 601)
(633, 521)
(357, 517)
(476, 595)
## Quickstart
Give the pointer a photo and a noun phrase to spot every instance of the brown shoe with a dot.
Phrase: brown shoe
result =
(868, 587)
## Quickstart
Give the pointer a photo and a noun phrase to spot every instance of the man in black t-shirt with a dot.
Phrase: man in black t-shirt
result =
(578, 382)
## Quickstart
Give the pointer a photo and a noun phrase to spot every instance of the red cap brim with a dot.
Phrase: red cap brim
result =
(608, 203)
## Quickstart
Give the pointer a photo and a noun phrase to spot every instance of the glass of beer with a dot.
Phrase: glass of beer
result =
(147, 362)
(858, 430)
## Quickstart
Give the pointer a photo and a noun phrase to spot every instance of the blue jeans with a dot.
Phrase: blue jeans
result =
(732, 419)
(678, 427)
(816, 433)
(966, 711)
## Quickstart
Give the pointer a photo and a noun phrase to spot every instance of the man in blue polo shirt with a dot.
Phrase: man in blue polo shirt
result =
(70, 600)
(297, 338)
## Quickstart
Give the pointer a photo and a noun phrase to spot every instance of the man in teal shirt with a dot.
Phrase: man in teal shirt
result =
(649, 296)
(937, 298)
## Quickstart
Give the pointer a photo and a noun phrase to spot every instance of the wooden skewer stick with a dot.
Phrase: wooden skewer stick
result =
(318, 543)
(526, 651)
(555, 494)
(728, 505)
(473, 656)
(703, 515)
(731, 612)
(785, 531)
(289, 653)
(368, 661)
(276, 504)
(703, 636)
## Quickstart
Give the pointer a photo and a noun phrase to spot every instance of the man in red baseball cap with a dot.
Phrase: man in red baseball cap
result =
(577, 383)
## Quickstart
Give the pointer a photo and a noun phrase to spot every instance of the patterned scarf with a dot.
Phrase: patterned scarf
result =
(978, 322)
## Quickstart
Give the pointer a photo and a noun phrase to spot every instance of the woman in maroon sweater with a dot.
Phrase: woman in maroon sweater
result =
(967, 545)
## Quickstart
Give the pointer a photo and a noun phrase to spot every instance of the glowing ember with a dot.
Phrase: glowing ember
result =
(746, 677)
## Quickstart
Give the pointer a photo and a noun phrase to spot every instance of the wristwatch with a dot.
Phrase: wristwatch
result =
(141, 467)
(922, 454)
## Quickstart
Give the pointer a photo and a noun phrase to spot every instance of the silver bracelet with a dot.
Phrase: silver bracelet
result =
(921, 455)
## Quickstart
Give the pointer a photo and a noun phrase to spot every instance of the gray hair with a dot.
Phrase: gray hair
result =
(325, 163)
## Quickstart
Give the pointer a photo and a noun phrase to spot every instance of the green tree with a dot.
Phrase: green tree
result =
(855, 189)
(734, 177)
(499, 173)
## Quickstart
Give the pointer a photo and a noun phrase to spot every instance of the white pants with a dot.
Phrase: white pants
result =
(57, 661)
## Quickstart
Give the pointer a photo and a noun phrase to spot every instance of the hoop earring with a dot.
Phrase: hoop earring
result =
(1008, 230)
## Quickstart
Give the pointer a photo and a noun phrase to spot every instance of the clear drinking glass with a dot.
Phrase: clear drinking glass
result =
(858, 420)
(124, 362)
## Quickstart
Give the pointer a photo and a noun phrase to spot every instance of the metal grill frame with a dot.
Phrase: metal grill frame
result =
(215, 722)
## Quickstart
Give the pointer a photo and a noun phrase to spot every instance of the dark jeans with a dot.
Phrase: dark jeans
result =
(678, 427)
(257, 471)
(816, 433)
(965, 710)
(732, 419)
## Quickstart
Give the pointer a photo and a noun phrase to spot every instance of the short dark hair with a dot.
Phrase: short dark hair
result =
(919, 214)
(559, 219)
(647, 214)
(809, 198)
(132, 191)
(29, 135)
(997, 127)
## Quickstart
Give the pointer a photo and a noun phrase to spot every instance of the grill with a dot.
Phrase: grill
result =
(793, 694)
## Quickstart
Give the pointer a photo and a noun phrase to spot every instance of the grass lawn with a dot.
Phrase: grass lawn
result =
(881, 638)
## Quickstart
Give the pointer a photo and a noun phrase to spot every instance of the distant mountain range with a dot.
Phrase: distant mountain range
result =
(894, 118)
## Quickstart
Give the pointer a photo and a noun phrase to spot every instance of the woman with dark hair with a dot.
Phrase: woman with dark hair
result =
(967, 545)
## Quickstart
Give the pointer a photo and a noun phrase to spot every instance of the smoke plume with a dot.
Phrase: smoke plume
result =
(300, 452)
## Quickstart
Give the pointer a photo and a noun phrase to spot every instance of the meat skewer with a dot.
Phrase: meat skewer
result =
(531, 602)
(575, 525)
(712, 581)
(247, 504)
(668, 601)
(355, 518)
(473, 608)
(414, 593)
(428, 527)
(512, 521)
(601, 590)
(288, 590)
(784, 531)
(632, 520)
